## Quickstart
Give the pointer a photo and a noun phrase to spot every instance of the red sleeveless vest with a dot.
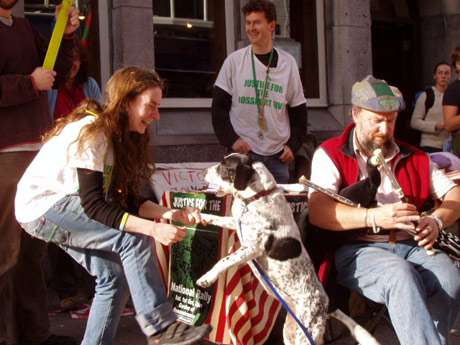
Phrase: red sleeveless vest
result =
(412, 169)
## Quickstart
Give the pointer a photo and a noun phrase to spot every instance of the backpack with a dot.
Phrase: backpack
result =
(429, 101)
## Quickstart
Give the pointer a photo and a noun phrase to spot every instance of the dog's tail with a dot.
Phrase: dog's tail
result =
(358, 332)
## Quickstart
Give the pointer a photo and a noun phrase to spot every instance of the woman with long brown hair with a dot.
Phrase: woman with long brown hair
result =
(83, 191)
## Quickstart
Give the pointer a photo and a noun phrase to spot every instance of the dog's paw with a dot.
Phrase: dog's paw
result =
(206, 280)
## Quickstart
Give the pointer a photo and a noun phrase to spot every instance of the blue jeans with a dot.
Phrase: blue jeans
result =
(279, 170)
(421, 292)
(122, 263)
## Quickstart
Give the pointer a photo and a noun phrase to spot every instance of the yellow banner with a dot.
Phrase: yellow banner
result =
(56, 37)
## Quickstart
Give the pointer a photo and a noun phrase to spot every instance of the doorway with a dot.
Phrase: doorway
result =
(395, 59)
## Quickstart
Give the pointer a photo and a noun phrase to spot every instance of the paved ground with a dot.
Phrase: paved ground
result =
(129, 333)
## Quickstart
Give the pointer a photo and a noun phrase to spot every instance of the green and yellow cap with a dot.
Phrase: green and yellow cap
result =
(376, 95)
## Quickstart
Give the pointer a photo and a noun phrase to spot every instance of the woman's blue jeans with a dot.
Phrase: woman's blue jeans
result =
(122, 263)
(421, 292)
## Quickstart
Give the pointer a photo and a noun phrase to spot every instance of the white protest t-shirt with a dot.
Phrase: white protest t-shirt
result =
(53, 172)
(284, 88)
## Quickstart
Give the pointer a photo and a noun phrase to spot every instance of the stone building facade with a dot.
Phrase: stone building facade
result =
(340, 41)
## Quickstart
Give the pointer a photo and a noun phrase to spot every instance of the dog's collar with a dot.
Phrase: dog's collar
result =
(259, 195)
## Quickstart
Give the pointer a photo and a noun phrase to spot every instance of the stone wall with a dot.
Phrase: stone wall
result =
(440, 33)
(348, 37)
(132, 33)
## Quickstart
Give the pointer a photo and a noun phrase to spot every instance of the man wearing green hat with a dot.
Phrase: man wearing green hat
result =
(383, 261)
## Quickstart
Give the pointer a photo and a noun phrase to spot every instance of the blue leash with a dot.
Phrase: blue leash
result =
(278, 296)
(283, 302)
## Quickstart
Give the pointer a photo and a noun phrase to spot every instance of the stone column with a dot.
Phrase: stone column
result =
(440, 33)
(348, 32)
(132, 33)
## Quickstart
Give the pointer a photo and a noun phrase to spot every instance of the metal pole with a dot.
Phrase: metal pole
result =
(171, 5)
(205, 10)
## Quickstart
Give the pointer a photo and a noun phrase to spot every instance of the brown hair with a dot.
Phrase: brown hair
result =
(131, 163)
(441, 63)
(265, 6)
(83, 74)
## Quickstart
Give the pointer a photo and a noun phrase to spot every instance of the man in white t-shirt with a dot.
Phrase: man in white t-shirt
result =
(259, 107)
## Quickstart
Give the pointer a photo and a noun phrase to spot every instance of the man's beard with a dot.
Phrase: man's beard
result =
(370, 145)
(7, 4)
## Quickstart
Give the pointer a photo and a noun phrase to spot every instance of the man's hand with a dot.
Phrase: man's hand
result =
(394, 216)
(241, 146)
(73, 23)
(287, 155)
(43, 79)
(187, 216)
(427, 232)
(167, 234)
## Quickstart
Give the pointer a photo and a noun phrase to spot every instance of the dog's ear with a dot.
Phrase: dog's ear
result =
(243, 175)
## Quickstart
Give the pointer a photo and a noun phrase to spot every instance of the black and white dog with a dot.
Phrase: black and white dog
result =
(269, 235)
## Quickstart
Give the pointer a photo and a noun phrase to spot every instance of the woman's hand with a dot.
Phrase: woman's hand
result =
(427, 232)
(187, 216)
(167, 234)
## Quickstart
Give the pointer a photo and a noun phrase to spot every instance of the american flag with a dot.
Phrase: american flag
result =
(242, 312)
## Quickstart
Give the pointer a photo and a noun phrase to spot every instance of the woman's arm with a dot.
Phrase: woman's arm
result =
(97, 208)
(164, 233)
(186, 215)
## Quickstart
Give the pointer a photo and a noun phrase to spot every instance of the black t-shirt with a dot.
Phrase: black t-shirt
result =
(452, 95)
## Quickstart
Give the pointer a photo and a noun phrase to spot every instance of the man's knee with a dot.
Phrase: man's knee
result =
(449, 280)
(404, 273)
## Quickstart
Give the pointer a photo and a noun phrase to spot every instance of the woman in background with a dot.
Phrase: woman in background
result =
(430, 121)
(78, 86)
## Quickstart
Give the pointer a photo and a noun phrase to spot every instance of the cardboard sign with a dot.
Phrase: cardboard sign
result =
(179, 177)
(194, 256)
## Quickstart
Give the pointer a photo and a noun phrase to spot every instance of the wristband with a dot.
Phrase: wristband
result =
(438, 221)
(375, 228)
(124, 219)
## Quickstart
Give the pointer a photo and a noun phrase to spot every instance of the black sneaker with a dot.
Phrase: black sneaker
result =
(59, 340)
(179, 333)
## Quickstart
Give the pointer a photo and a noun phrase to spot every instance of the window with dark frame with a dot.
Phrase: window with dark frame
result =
(307, 27)
(189, 38)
